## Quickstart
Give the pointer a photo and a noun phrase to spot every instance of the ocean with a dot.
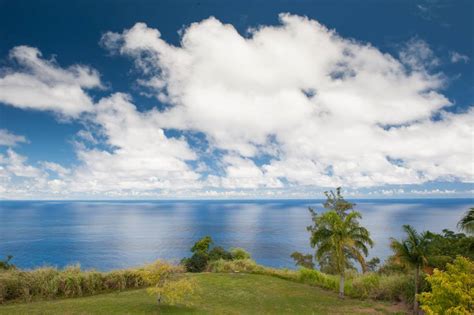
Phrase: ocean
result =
(115, 234)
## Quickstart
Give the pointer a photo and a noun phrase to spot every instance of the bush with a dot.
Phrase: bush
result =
(197, 262)
(50, 283)
(315, 277)
(219, 253)
(452, 291)
(167, 283)
(239, 253)
(203, 255)
(241, 265)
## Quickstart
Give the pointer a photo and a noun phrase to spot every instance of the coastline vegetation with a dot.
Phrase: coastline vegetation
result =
(48, 283)
(434, 270)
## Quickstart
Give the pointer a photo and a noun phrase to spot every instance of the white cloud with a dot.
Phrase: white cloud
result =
(242, 173)
(43, 85)
(457, 57)
(418, 55)
(139, 157)
(14, 164)
(285, 111)
(55, 168)
(9, 139)
(328, 110)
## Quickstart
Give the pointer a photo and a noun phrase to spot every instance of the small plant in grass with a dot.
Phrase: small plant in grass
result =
(167, 285)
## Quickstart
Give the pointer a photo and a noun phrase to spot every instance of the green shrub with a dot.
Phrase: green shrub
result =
(219, 252)
(452, 291)
(50, 283)
(239, 253)
(315, 277)
(204, 254)
(365, 285)
(227, 266)
(197, 262)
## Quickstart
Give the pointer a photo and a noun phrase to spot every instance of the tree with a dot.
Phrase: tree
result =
(372, 265)
(412, 252)
(302, 260)
(196, 263)
(452, 291)
(167, 283)
(336, 202)
(328, 265)
(219, 252)
(444, 247)
(202, 245)
(200, 258)
(340, 236)
(466, 223)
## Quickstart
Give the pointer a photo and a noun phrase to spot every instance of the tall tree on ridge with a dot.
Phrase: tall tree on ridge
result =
(412, 251)
(337, 234)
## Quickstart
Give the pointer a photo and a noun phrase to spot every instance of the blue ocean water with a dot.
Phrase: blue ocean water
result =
(115, 234)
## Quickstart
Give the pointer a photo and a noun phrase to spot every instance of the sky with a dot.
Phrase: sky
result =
(236, 99)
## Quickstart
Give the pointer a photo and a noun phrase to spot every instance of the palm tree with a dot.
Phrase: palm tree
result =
(412, 252)
(467, 222)
(341, 238)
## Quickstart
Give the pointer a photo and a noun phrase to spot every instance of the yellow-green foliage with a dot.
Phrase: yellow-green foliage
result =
(166, 283)
(396, 287)
(452, 291)
(49, 283)
(239, 253)
(174, 290)
(241, 265)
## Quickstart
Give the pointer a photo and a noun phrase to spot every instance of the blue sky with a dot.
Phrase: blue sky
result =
(235, 99)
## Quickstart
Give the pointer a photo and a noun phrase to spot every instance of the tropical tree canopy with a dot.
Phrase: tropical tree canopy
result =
(467, 222)
(336, 202)
(340, 237)
(411, 251)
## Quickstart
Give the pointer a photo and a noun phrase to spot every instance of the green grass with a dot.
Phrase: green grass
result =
(218, 294)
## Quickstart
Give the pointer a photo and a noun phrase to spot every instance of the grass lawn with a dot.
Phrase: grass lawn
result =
(218, 294)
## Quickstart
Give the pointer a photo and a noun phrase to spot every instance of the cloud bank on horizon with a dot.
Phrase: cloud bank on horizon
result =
(281, 111)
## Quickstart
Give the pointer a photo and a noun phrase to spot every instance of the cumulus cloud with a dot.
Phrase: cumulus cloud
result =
(283, 111)
(418, 55)
(136, 155)
(327, 110)
(14, 164)
(10, 139)
(457, 57)
(37, 83)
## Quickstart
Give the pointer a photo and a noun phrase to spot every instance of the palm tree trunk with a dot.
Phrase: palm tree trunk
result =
(341, 285)
(415, 304)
